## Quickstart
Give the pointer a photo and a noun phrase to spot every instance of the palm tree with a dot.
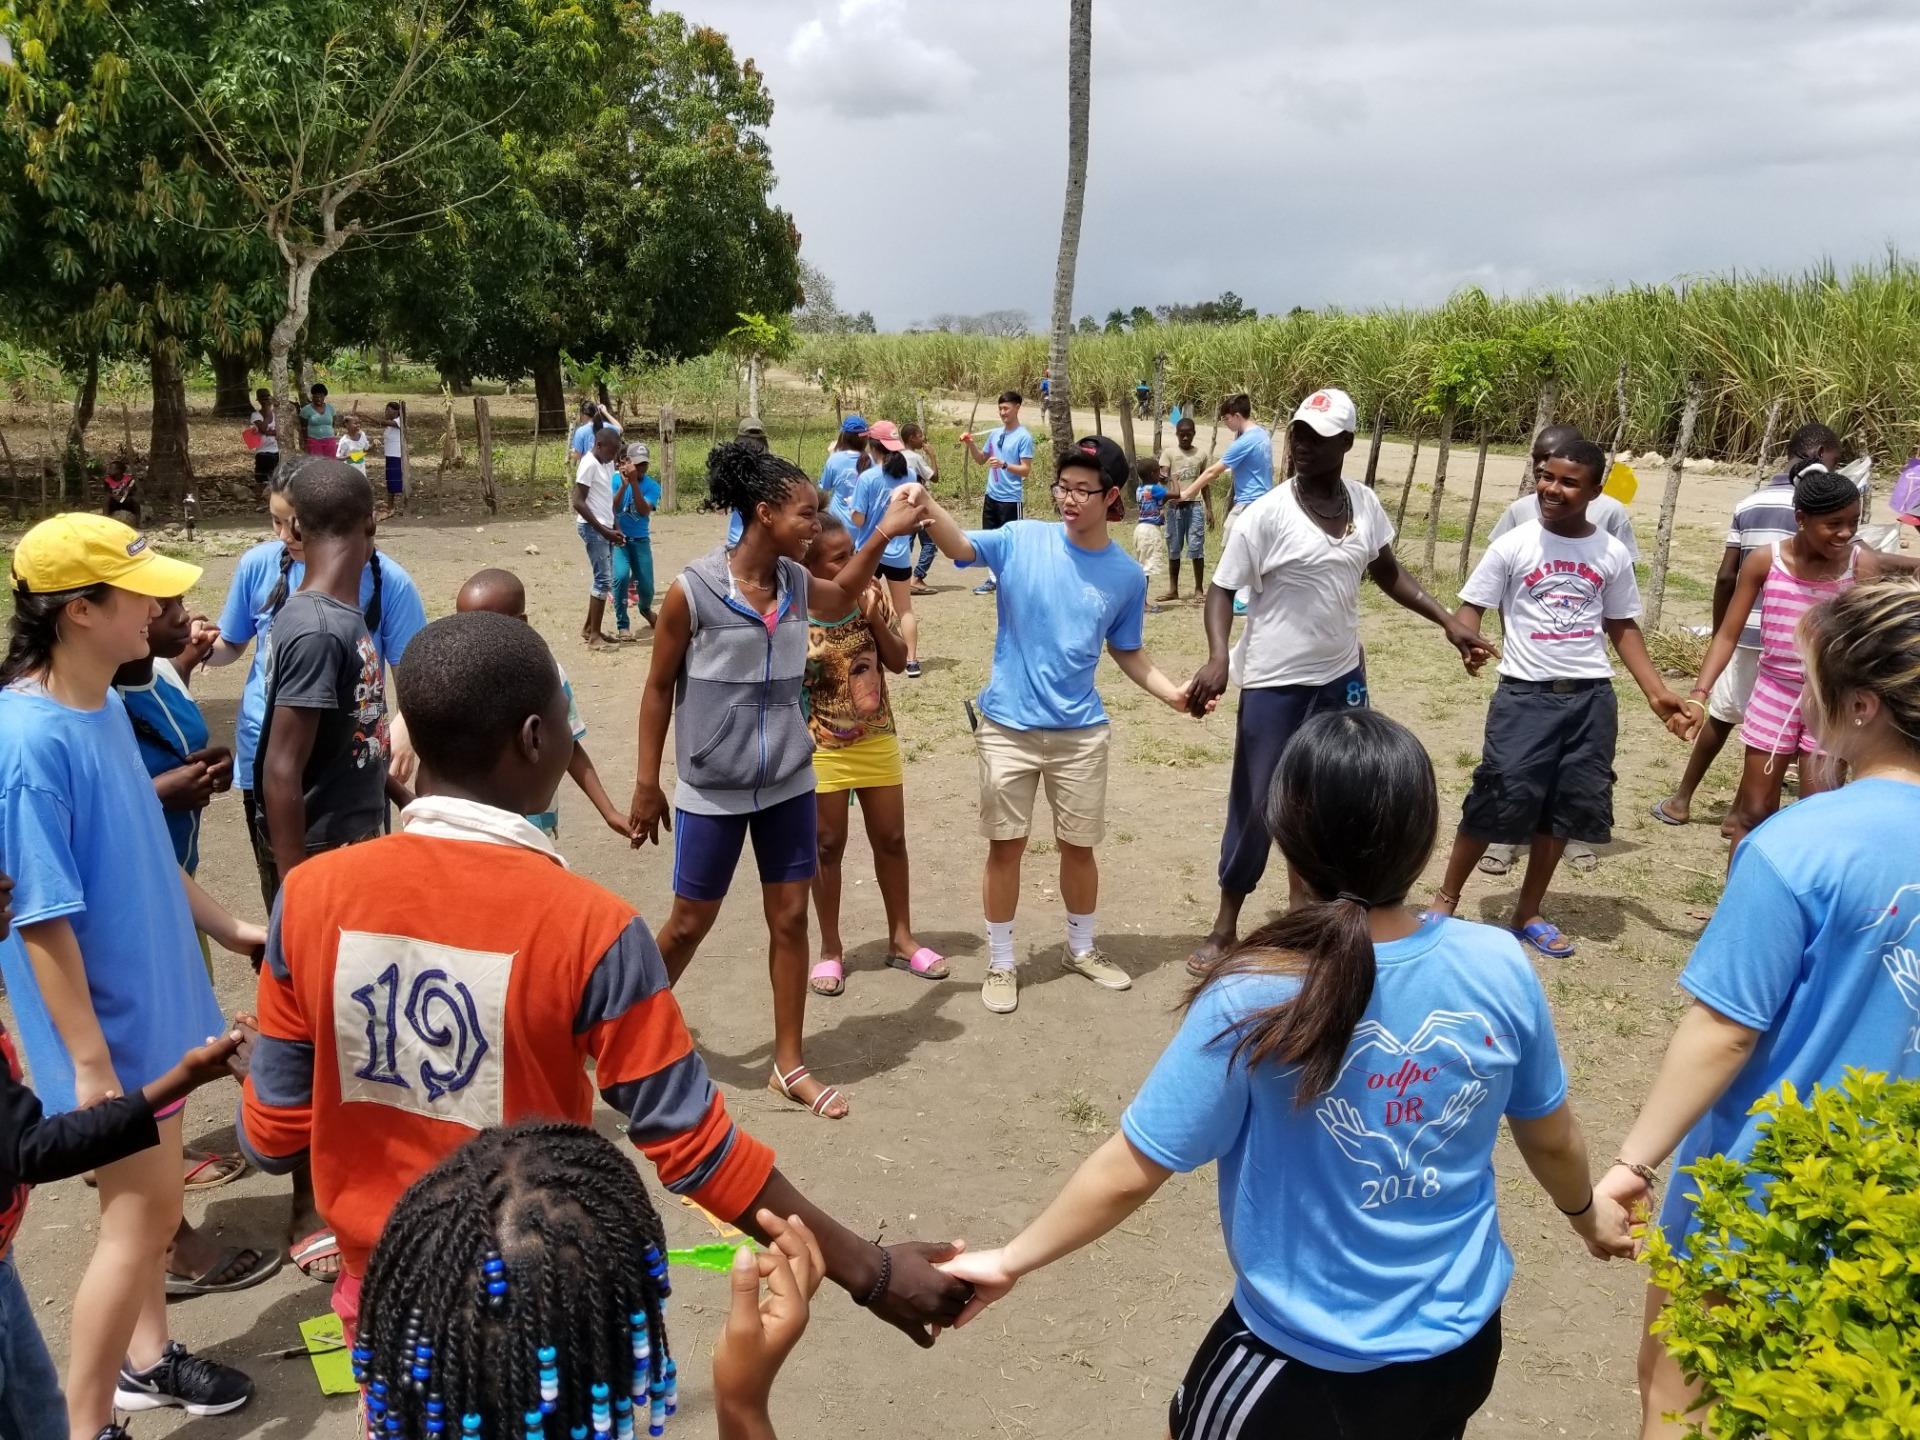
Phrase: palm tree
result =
(1079, 86)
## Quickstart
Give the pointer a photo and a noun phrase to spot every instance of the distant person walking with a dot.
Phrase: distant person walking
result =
(266, 458)
(1008, 456)
(1248, 461)
(594, 520)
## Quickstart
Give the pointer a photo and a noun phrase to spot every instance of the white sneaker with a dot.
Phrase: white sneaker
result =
(1000, 991)
(1097, 968)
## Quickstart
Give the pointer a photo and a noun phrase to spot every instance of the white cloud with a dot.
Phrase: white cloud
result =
(868, 59)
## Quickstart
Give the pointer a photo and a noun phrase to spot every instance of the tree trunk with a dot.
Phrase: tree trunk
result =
(483, 442)
(1473, 505)
(1439, 488)
(1543, 409)
(1413, 462)
(386, 363)
(1099, 423)
(549, 389)
(230, 376)
(1373, 446)
(169, 468)
(1079, 90)
(753, 385)
(75, 463)
(1766, 442)
(669, 464)
(1126, 430)
(1159, 395)
(286, 331)
(1620, 395)
(1663, 538)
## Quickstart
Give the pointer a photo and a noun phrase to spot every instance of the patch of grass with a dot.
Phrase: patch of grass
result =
(1466, 759)
(1702, 890)
(1079, 1111)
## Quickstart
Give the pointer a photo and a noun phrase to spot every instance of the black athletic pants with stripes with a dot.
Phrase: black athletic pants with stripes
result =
(1241, 1388)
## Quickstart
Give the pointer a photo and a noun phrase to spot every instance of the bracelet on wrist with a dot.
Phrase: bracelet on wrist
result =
(1645, 1172)
(1576, 1214)
(1698, 691)
(1698, 705)
(879, 1291)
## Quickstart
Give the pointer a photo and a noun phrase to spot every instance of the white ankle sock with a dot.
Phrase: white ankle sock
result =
(1079, 932)
(1000, 945)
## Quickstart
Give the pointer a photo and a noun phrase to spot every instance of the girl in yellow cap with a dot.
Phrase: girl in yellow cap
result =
(104, 969)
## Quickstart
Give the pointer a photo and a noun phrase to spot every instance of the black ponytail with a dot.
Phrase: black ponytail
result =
(278, 595)
(34, 629)
(373, 601)
(1355, 811)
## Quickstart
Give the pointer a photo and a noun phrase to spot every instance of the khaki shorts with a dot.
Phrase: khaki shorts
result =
(1734, 688)
(1073, 763)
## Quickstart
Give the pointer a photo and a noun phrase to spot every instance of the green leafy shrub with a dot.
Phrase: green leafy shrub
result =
(1801, 1318)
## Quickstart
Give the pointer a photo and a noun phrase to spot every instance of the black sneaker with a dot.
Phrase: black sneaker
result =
(112, 1432)
(194, 1384)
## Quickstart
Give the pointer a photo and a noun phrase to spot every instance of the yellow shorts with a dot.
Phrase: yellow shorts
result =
(867, 764)
(1013, 763)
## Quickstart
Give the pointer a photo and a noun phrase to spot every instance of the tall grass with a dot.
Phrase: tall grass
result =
(1842, 349)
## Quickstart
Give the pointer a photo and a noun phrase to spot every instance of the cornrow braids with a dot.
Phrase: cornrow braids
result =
(518, 1291)
(1865, 639)
(741, 475)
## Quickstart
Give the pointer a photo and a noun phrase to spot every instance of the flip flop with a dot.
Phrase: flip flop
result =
(265, 1263)
(1492, 864)
(1545, 936)
(1659, 812)
(213, 1171)
(782, 1085)
(318, 1246)
(831, 971)
(927, 964)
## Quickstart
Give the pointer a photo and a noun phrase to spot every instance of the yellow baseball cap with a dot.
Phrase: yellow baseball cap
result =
(73, 552)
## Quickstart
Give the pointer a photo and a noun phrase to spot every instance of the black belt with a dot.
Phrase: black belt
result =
(1551, 687)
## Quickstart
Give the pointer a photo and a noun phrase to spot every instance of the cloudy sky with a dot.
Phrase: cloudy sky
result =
(1389, 151)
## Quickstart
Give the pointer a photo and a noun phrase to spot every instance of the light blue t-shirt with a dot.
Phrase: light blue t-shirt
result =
(838, 477)
(1362, 1228)
(871, 497)
(246, 617)
(1058, 606)
(634, 525)
(1814, 945)
(83, 836)
(548, 821)
(1250, 460)
(1012, 446)
(582, 441)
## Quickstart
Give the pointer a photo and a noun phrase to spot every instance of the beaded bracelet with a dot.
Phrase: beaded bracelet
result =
(879, 1291)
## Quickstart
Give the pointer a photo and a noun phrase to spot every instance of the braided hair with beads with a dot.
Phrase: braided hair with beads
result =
(518, 1290)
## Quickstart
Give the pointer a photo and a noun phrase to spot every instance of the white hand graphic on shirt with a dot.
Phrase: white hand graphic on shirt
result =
(1356, 1141)
(1435, 1133)
(1458, 1030)
(1904, 966)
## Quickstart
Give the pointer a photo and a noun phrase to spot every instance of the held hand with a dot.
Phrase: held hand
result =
(1686, 723)
(212, 1061)
(1206, 687)
(185, 787)
(245, 938)
(618, 823)
(1475, 649)
(219, 762)
(903, 512)
(403, 762)
(919, 1295)
(1606, 1229)
(988, 1274)
(647, 814)
(249, 1027)
(760, 1332)
(1665, 704)
(96, 1080)
(202, 636)
(1626, 1191)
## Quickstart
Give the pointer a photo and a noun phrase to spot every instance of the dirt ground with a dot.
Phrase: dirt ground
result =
(1096, 1344)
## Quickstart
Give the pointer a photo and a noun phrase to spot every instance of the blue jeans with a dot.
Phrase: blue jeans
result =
(599, 557)
(31, 1405)
(927, 552)
(632, 563)
(1186, 533)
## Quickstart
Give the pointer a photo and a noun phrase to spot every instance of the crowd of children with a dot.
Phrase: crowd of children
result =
(424, 1073)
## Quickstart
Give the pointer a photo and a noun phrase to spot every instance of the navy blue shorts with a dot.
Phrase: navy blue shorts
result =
(396, 477)
(706, 848)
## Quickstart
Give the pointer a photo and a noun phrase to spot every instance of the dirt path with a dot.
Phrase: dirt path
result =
(965, 1123)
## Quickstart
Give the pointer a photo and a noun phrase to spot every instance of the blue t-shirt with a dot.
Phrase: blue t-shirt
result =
(1058, 606)
(634, 525)
(838, 477)
(246, 617)
(1012, 446)
(168, 727)
(549, 820)
(871, 497)
(82, 835)
(1152, 500)
(1362, 1228)
(582, 441)
(1250, 459)
(1813, 945)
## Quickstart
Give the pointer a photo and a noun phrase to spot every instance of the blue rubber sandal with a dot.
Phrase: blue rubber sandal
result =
(1545, 936)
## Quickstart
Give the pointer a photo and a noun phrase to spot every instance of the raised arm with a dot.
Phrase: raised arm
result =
(1203, 480)
(948, 537)
(842, 593)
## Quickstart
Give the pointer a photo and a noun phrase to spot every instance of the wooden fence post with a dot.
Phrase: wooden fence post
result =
(533, 453)
(1663, 540)
(1373, 446)
(1620, 431)
(13, 475)
(1766, 442)
(1543, 409)
(1159, 396)
(406, 454)
(483, 437)
(1413, 461)
(966, 458)
(1473, 505)
(1439, 488)
(669, 467)
(1098, 427)
(1126, 428)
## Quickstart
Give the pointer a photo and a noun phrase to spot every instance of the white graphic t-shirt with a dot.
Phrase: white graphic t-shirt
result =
(1554, 595)
(1362, 1227)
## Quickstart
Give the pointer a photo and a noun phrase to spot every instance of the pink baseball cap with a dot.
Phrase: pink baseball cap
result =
(887, 433)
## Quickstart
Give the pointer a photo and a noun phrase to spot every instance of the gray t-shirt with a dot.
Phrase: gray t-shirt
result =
(323, 659)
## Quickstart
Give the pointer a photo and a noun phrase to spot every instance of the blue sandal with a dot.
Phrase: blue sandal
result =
(1545, 936)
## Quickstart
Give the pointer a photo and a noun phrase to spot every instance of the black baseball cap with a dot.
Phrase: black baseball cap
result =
(1104, 455)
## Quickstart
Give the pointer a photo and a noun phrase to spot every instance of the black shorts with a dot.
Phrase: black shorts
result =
(264, 464)
(900, 573)
(1546, 765)
(995, 513)
(1240, 1386)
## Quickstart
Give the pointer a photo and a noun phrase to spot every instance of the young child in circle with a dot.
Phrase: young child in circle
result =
(1150, 529)
(856, 753)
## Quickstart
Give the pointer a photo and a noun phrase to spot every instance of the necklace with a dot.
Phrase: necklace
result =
(746, 584)
(1343, 509)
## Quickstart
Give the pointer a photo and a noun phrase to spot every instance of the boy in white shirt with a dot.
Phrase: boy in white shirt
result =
(393, 449)
(1565, 587)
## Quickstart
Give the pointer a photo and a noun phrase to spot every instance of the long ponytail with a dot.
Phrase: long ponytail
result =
(373, 601)
(1354, 809)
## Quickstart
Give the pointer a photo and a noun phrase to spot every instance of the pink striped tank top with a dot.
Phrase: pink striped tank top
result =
(1784, 598)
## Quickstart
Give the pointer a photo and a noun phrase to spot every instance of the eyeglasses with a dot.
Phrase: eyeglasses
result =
(1065, 490)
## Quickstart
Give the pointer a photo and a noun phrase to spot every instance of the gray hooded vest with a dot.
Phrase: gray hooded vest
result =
(740, 739)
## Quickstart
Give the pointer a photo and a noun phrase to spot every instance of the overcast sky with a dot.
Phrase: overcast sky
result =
(1385, 152)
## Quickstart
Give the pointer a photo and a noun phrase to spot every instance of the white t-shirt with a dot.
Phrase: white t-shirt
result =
(1605, 511)
(356, 443)
(1303, 612)
(1552, 594)
(917, 463)
(269, 445)
(598, 478)
(390, 442)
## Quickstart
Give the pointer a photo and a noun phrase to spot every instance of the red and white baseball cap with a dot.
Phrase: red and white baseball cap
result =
(886, 435)
(1329, 412)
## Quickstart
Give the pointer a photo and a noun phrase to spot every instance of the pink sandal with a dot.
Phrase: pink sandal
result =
(782, 1085)
(831, 971)
(927, 964)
